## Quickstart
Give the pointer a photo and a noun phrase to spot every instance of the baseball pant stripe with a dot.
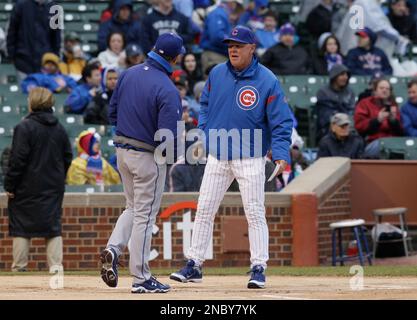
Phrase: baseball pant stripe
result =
(217, 179)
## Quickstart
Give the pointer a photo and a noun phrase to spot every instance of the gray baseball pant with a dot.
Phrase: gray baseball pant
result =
(143, 183)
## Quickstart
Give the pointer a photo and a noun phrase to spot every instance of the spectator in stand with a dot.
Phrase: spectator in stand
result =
(165, 18)
(253, 17)
(336, 97)
(369, 91)
(84, 93)
(409, 110)
(192, 69)
(367, 59)
(341, 141)
(107, 13)
(319, 19)
(329, 54)
(195, 105)
(217, 26)
(134, 55)
(89, 167)
(114, 56)
(73, 58)
(35, 181)
(50, 77)
(267, 36)
(30, 36)
(121, 21)
(377, 117)
(286, 58)
(97, 110)
(401, 19)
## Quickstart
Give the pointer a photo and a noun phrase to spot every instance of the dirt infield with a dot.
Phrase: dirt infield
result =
(214, 287)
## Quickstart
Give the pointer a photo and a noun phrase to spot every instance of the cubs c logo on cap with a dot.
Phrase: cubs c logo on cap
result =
(247, 98)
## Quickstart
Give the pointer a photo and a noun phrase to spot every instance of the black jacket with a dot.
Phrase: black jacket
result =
(319, 21)
(30, 36)
(97, 110)
(330, 146)
(282, 60)
(40, 157)
(406, 26)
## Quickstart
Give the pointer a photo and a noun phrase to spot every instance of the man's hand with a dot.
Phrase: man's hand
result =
(9, 195)
(280, 167)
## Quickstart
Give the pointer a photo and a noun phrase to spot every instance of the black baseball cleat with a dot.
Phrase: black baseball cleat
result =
(109, 260)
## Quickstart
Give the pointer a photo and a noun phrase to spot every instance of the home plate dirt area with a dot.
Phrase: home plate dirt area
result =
(229, 287)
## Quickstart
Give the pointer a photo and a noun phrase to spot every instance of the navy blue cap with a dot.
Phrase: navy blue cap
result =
(170, 45)
(241, 34)
(133, 50)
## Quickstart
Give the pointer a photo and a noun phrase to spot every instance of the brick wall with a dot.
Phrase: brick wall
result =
(87, 229)
(333, 206)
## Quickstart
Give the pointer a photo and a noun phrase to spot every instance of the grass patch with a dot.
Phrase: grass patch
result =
(369, 271)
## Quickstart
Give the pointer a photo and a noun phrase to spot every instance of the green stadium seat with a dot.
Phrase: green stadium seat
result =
(91, 17)
(6, 129)
(70, 119)
(88, 37)
(5, 141)
(90, 47)
(6, 7)
(7, 74)
(398, 148)
(87, 188)
(74, 7)
(114, 188)
(81, 26)
(74, 130)
(9, 89)
(107, 147)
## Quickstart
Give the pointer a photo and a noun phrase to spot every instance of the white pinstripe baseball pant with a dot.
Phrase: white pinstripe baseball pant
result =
(218, 175)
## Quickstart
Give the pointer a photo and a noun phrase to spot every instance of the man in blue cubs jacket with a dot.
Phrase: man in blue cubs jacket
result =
(240, 95)
(145, 101)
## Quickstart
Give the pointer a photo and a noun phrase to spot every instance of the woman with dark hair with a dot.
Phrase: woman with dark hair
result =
(35, 181)
(329, 54)
(114, 56)
(378, 116)
(192, 70)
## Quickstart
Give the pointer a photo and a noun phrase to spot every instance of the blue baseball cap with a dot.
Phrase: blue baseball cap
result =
(169, 44)
(241, 34)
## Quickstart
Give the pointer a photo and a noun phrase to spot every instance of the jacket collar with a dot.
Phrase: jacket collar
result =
(159, 62)
(246, 73)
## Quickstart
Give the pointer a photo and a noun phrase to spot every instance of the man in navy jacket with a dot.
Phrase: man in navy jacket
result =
(144, 102)
(162, 19)
(366, 59)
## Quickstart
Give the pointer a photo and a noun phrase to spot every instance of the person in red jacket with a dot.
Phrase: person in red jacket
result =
(378, 116)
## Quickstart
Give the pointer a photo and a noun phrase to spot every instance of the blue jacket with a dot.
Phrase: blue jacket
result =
(79, 98)
(251, 99)
(267, 39)
(47, 81)
(145, 100)
(409, 119)
(216, 28)
(131, 29)
(156, 23)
